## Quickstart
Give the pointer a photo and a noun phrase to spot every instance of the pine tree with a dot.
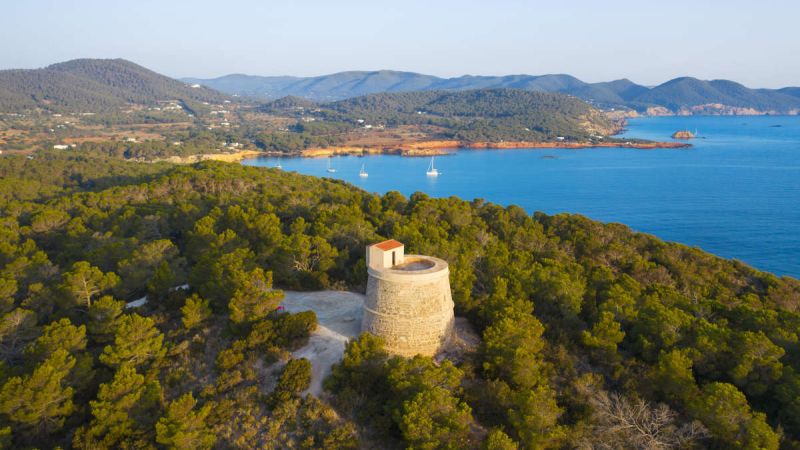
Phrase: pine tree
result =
(435, 418)
(104, 315)
(511, 347)
(498, 440)
(725, 411)
(184, 427)
(58, 335)
(604, 337)
(254, 298)
(17, 329)
(123, 413)
(137, 341)
(85, 281)
(194, 311)
(40, 401)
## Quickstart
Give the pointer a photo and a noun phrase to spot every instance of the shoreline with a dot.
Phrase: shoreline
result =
(444, 147)
(417, 149)
(224, 157)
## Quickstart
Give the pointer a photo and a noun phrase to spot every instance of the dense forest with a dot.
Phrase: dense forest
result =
(593, 336)
(482, 114)
(93, 85)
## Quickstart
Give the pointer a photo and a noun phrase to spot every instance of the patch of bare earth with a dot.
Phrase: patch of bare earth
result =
(339, 319)
(463, 342)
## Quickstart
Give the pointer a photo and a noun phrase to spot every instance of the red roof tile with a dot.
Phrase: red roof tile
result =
(388, 245)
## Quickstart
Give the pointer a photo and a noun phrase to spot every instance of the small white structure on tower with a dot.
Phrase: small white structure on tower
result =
(386, 254)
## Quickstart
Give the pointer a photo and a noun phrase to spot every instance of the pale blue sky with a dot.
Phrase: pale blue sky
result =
(756, 43)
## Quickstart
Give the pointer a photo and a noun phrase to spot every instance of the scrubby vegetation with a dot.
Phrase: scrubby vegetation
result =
(303, 135)
(593, 336)
(195, 141)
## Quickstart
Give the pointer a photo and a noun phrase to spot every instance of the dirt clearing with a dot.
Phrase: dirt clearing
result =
(339, 319)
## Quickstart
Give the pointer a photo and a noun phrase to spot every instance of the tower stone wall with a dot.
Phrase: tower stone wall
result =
(410, 305)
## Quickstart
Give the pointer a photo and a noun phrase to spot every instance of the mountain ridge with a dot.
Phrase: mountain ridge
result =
(683, 95)
(104, 84)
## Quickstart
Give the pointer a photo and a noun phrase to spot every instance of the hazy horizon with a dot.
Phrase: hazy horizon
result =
(646, 43)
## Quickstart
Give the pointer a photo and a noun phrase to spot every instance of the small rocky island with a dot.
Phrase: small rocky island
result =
(683, 134)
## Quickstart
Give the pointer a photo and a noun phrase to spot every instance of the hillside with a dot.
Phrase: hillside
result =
(289, 103)
(793, 91)
(482, 114)
(585, 327)
(345, 85)
(324, 88)
(93, 85)
(101, 85)
(127, 100)
(420, 120)
(687, 92)
(679, 94)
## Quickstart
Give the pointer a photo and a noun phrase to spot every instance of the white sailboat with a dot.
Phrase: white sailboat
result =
(363, 173)
(432, 171)
(330, 168)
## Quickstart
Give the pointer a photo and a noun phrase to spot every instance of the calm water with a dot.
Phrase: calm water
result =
(736, 193)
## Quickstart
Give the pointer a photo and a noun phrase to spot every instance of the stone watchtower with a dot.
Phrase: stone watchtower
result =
(408, 300)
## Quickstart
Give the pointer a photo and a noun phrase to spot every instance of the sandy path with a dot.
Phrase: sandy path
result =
(339, 319)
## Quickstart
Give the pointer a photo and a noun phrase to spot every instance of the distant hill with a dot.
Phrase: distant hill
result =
(343, 85)
(687, 95)
(325, 88)
(687, 92)
(793, 91)
(481, 114)
(289, 102)
(93, 85)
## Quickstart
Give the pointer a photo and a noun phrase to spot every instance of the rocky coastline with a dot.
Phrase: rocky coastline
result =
(442, 147)
(420, 149)
(683, 134)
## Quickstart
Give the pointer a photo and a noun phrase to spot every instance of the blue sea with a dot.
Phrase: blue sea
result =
(735, 193)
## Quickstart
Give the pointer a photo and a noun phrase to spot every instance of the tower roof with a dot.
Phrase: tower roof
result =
(388, 244)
